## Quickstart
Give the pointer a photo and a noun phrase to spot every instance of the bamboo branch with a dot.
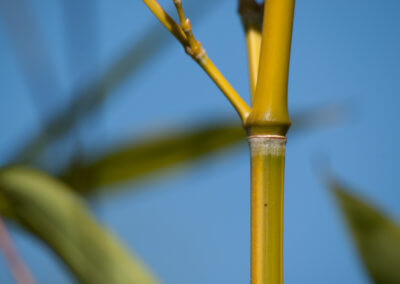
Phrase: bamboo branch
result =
(184, 34)
(252, 17)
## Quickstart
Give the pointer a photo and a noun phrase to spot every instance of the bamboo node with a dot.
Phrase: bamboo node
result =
(268, 136)
(192, 47)
(198, 53)
(273, 145)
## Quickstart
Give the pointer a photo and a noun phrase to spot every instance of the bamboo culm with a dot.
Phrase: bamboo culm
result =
(267, 176)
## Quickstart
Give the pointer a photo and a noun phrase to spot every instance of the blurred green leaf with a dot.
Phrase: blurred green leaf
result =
(142, 159)
(52, 212)
(376, 236)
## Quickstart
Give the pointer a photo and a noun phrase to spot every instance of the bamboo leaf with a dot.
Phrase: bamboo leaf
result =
(376, 235)
(159, 152)
(53, 213)
(142, 159)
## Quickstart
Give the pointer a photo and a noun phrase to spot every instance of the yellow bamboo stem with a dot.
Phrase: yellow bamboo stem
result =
(267, 125)
(252, 17)
(253, 42)
(267, 176)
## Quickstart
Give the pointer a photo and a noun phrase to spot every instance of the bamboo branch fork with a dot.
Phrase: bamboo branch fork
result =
(268, 30)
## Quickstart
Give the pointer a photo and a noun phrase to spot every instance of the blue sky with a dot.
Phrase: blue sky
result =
(194, 226)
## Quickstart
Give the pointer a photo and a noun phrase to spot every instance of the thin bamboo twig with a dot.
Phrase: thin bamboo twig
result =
(252, 16)
(234, 98)
(166, 20)
(18, 268)
(193, 47)
(253, 42)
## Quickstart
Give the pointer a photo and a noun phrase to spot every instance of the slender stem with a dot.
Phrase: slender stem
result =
(252, 18)
(253, 42)
(179, 9)
(166, 20)
(17, 266)
(267, 176)
(194, 49)
(237, 102)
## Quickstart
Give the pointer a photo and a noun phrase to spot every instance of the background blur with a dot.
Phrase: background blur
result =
(192, 225)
